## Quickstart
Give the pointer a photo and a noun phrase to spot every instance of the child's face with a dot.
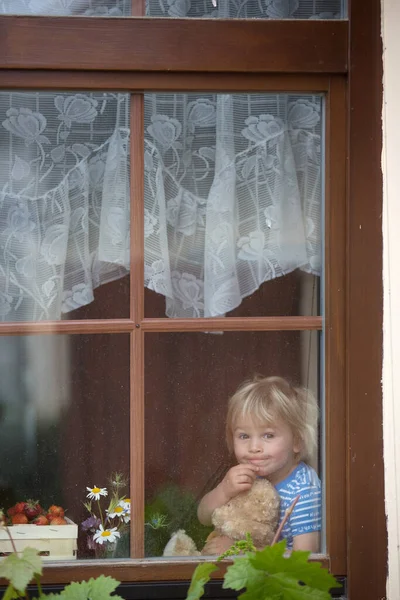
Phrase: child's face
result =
(269, 447)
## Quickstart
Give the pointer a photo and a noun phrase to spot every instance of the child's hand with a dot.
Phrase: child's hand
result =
(238, 479)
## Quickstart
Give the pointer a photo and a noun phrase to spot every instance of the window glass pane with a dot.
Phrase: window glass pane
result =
(64, 428)
(64, 205)
(233, 204)
(249, 9)
(189, 378)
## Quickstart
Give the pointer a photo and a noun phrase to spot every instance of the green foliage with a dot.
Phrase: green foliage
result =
(200, 577)
(239, 547)
(270, 575)
(177, 509)
(21, 569)
(100, 588)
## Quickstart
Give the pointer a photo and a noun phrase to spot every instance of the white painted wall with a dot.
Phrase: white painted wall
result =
(391, 284)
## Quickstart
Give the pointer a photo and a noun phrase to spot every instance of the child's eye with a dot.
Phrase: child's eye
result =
(243, 436)
(268, 436)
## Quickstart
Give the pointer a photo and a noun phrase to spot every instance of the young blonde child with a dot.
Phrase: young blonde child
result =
(271, 428)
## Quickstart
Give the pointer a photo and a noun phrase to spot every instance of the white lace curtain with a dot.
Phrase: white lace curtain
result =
(232, 185)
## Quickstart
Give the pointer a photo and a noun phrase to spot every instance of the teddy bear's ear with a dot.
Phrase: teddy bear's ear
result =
(180, 544)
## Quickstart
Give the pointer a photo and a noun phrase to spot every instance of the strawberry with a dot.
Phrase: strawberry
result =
(56, 511)
(32, 509)
(19, 519)
(17, 509)
(41, 520)
(58, 521)
(20, 507)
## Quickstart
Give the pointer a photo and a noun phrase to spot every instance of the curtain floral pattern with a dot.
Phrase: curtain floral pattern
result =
(232, 184)
(232, 196)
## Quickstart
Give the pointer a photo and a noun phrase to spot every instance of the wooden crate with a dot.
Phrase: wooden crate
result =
(53, 542)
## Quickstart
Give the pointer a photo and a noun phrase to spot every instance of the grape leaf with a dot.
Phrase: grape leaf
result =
(76, 591)
(200, 577)
(20, 570)
(99, 588)
(240, 573)
(295, 567)
(283, 587)
(102, 587)
(11, 593)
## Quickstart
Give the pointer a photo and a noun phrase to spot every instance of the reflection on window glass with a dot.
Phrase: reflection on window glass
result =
(206, 453)
(64, 205)
(247, 9)
(233, 9)
(233, 202)
(82, 8)
(64, 440)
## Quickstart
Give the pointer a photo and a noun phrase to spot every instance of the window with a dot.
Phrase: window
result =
(130, 340)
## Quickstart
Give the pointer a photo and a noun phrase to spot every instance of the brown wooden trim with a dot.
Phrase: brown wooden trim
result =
(137, 458)
(73, 327)
(150, 44)
(137, 313)
(127, 325)
(138, 8)
(133, 570)
(137, 206)
(367, 539)
(234, 324)
(24, 79)
(335, 324)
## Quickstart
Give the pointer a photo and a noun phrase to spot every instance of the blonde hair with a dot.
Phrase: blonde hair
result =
(266, 399)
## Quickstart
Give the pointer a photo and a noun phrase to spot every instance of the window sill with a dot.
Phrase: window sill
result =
(135, 570)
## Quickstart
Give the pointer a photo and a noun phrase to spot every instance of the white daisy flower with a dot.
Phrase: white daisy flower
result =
(95, 493)
(117, 512)
(126, 517)
(106, 535)
(125, 503)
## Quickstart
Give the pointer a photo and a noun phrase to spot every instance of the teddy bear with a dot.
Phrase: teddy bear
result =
(255, 511)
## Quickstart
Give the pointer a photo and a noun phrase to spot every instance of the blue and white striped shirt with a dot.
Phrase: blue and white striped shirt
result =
(306, 516)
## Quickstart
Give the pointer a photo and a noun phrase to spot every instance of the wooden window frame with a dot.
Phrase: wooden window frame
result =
(341, 59)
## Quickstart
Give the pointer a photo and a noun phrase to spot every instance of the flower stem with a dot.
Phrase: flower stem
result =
(11, 539)
(100, 513)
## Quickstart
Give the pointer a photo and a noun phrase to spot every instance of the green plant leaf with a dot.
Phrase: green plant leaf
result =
(76, 591)
(11, 593)
(99, 588)
(240, 573)
(200, 577)
(102, 587)
(295, 567)
(20, 570)
(283, 587)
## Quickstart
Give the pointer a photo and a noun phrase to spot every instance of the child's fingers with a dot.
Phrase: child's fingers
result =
(250, 470)
(245, 477)
(253, 467)
(244, 482)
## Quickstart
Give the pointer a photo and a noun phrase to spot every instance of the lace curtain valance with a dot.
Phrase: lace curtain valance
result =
(232, 187)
